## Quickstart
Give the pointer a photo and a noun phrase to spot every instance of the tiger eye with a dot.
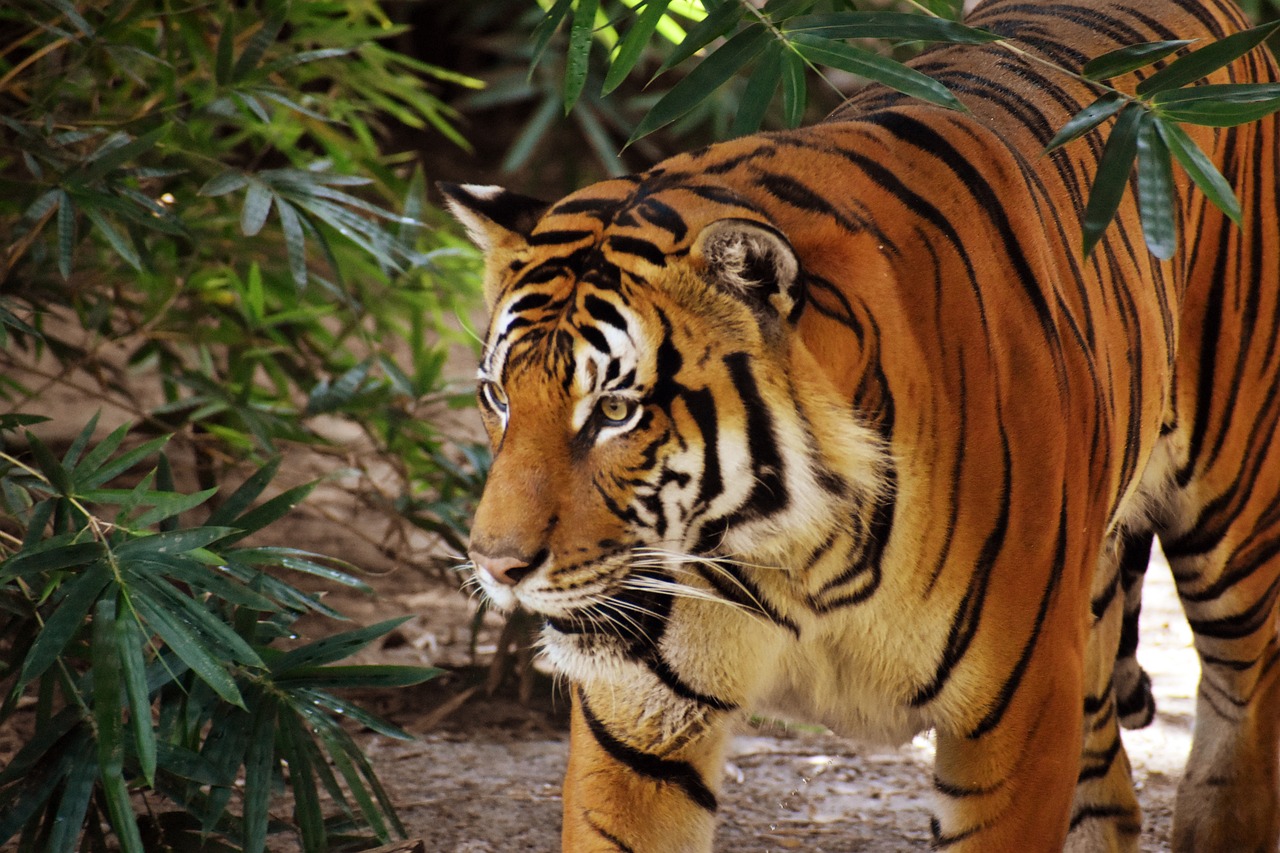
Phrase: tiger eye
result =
(494, 396)
(616, 409)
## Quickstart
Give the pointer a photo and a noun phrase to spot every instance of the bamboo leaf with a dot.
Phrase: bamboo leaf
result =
(116, 156)
(171, 542)
(1112, 177)
(129, 644)
(1206, 60)
(107, 688)
(120, 810)
(545, 29)
(578, 56)
(49, 464)
(123, 245)
(188, 647)
(257, 204)
(718, 22)
(259, 759)
(50, 556)
(356, 714)
(74, 804)
(244, 496)
(267, 513)
(703, 80)
(99, 454)
(294, 241)
(1117, 62)
(898, 26)
(258, 44)
(882, 69)
(226, 51)
(1224, 105)
(169, 504)
(794, 90)
(78, 596)
(634, 43)
(216, 636)
(760, 89)
(296, 746)
(223, 183)
(333, 648)
(66, 233)
(1087, 119)
(355, 675)
(1200, 169)
(122, 463)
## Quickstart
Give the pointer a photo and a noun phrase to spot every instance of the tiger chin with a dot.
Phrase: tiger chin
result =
(836, 423)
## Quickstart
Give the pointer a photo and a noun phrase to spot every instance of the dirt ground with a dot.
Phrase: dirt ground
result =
(484, 775)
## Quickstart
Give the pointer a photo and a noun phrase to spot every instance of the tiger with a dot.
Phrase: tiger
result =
(839, 424)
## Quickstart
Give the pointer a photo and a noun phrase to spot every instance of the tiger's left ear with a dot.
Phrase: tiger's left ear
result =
(753, 261)
(492, 215)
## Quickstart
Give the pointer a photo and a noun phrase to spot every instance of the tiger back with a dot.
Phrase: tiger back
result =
(837, 423)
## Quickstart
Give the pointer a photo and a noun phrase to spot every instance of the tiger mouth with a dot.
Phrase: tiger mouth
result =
(635, 613)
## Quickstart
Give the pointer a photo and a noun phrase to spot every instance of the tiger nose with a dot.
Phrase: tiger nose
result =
(505, 570)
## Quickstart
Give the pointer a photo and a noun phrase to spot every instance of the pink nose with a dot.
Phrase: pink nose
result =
(505, 570)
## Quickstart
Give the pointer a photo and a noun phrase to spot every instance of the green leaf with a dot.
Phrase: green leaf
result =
(116, 156)
(294, 241)
(169, 504)
(99, 454)
(546, 29)
(267, 512)
(226, 51)
(223, 183)
(74, 804)
(882, 69)
(244, 496)
(49, 464)
(1200, 169)
(355, 676)
(50, 556)
(129, 644)
(259, 759)
(794, 90)
(121, 243)
(258, 44)
(718, 22)
(107, 688)
(120, 810)
(78, 595)
(634, 43)
(296, 747)
(122, 463)
(216, 635)
(171, 542)
(761, 86)
(898, 26)
(703, 80)
(66, 233)
(1112, 176)
(1117, 62)
(334, 648)
(189, 648)
(356, 714)
(1087, 119)
(257, 204)
(1206, 60)
(340, 751)
(1219, 105)
(578, 57)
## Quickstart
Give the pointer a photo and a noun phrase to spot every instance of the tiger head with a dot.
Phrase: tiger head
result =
(653, 416)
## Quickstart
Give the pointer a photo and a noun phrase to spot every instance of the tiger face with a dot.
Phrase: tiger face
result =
(631, 449)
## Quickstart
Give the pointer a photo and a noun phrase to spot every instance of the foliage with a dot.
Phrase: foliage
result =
(784, 42)
(200, 226)
(200, 192)
(152, 653)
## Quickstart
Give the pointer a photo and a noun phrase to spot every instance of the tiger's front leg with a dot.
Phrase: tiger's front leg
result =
(622, 793)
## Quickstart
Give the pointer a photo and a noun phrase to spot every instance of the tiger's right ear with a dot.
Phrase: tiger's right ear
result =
(492, 215)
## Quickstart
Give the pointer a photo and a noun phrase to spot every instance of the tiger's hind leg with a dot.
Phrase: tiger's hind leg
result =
(1229, 797)
(1105, 814)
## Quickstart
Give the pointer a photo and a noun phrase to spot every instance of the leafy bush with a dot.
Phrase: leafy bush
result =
(200, 227)
(787, 44)
(152, 652)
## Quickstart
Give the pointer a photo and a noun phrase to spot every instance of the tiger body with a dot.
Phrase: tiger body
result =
(837, 423)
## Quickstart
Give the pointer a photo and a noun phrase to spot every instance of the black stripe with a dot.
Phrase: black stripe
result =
(682, 774)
